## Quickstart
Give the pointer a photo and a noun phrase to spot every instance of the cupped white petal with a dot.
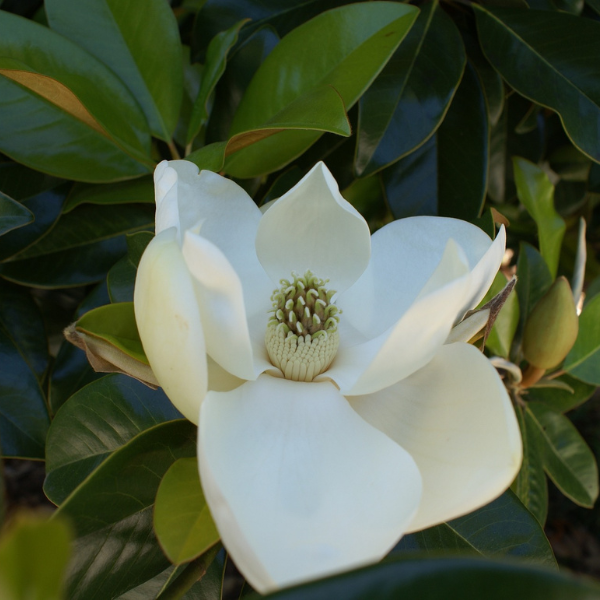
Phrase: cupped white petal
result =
(298, 484)
(466, 329)
(455, 418)
(168, 320)
(405, 255)
(221, 303)
(313, 228)
(220, 380)
(413, 340)
(228, 216)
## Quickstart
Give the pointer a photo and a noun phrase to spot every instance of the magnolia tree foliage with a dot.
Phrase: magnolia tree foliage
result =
(395, 436)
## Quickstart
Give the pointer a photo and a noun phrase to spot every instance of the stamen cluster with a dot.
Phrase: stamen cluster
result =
(302, 337)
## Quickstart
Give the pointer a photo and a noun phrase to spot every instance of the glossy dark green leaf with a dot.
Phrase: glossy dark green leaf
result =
(34, 553)
(549, 57)
(75, 118)
(111, 511)
(23, 322)
(182, 520)
(12, 214)
(210, 157)
(536, 192)
(504, 528)
(121, 278)
(366, 195)
(81, 248)
(344, 48)
(20, 182)
(141, 46)
(67, 268)
(241, 67)
(124, 192)
(534, 280)
(567, 459)
(216, 60)
(70, 372)
(463, 151)
(410, 185)
(85, 431)
(594, 5)
(23, 416)
(560, 398)
(453, 578)
(282, 15)
(408, 100)
(530, 484)
(447, 175)
(46, 208)
(583, 361)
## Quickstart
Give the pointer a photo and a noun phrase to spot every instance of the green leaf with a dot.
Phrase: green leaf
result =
(407, 102)
(561, 399)
(463, 151)
(115, 324)
(534, 280)
(23, 322)
(216, 61)
(111, 511)
(537, 195)
(505, 326)
(85, 431)
(12, 214)
(450, 578)
(141, 46)
(504, 528)
(530, 485)
(182, 520)
(67, 268)
(282, 15)
(34, 553)
(448, 173)
(23, 416)
(19, 182)
(549, 57)
(344, 48)
(46, 208)
(81, 248)
(583, 361)
(123, 192)
(567, 458)
(121, 278)
(75, 118)
(210, 157)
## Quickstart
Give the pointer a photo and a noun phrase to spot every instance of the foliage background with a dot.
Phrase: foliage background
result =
(487, 111)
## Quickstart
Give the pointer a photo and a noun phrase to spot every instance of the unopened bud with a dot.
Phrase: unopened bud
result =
(552, 326)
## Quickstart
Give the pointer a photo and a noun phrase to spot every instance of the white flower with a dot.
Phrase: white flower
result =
(401, 432)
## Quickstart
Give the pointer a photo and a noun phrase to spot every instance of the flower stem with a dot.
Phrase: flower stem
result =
(174, 151)
(531, 375)
(194, 572)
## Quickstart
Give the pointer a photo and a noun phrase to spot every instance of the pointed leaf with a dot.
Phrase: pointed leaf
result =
(344, 48)
(12, 214)
(123, 192)
(85, 432)
(410, 97)
(568, 460)
(549, 57)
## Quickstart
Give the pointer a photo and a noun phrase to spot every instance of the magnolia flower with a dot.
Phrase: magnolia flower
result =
(332, 416)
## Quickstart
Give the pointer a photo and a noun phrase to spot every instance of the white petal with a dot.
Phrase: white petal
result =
(313, 228)
(228, 216)
(168, 320)
(466, 329)
(220, 380)
(411, 342)
(456, 420)
(221, 302)
(298, 484)
(405, 254)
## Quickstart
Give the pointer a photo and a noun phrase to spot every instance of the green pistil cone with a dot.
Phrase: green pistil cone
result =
(551, 328)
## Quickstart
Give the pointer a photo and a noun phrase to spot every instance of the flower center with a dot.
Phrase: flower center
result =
(302, 337)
